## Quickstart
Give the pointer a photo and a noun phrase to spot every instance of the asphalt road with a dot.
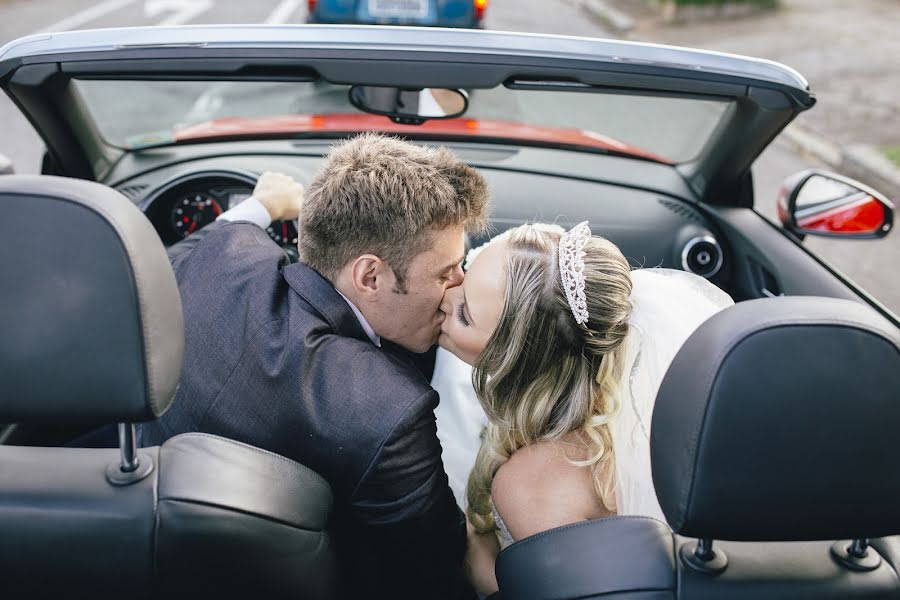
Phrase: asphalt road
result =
(847, 50)
(869, 263)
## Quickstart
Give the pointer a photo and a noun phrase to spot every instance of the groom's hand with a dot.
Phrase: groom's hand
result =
(280, 195)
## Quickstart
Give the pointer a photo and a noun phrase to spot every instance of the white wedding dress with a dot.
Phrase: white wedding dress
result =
(668, 305)
(460, 420)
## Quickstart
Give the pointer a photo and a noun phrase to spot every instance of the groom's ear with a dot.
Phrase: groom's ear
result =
(368, 273)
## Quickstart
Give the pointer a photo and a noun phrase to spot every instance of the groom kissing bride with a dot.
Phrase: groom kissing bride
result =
(318, 361)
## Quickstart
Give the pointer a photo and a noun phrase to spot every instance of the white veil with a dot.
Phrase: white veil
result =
(668, 305)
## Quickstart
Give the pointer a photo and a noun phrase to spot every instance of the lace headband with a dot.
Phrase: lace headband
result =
(571, 269)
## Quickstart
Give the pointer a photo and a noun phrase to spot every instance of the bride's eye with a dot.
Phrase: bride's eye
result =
(461, 315)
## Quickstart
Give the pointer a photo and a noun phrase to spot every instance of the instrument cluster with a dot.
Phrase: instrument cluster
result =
(186, 205)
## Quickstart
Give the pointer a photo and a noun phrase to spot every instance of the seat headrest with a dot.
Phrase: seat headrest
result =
(90, 313)
(779, 420)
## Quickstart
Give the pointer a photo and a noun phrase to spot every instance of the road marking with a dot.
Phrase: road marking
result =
(282, 12)
(182, 10)
(86, 16)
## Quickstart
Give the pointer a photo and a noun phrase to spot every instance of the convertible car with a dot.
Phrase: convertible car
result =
(774, 440)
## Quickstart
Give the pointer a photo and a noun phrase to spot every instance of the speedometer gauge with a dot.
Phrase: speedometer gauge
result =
(193, 212)
(283, 233)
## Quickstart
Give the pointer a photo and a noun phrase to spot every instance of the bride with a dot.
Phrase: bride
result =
(567, 347)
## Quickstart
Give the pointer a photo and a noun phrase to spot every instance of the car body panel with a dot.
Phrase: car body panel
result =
(337, 124)
(282, 38)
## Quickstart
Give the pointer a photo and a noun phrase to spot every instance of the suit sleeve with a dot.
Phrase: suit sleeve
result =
(179, 252)
(407, 515)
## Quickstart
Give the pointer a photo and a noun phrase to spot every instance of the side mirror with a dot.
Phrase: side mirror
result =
(6, 166)
(409, 106)
(816, 202)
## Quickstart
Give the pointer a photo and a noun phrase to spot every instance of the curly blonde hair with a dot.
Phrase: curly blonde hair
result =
(542, 375)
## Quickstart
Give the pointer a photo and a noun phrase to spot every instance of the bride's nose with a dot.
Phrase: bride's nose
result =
(446, 306)
(447, 301)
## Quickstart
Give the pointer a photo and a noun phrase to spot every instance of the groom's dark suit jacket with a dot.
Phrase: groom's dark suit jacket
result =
(276, 358)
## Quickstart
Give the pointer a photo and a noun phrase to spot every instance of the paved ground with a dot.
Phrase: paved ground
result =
(832, 42)
(23, 17)
(849, 51)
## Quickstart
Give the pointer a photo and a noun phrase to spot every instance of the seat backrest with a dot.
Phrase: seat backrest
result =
(238, 521)
(626, 557)
(774, 429)
(639, 558)
(93, 335)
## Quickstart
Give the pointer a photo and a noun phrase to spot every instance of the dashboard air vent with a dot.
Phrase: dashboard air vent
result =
(681, 210)
(134, 192)
(702, 256)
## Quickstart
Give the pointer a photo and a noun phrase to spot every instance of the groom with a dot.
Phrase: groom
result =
(313, 360)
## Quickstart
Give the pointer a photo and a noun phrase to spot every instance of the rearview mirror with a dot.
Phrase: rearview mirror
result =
(816, 202)
(409, 106)
(6, 166)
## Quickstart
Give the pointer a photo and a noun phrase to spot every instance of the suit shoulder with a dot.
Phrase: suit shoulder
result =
(391, 398)
(243, 239)
(246, 235)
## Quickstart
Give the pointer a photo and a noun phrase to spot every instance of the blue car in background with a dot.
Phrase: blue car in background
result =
(435, 13)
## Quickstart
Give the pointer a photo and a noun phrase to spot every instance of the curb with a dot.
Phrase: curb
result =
(813, 146)
(612, 17)
(861, 161)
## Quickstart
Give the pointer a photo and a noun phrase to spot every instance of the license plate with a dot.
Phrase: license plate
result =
(402, 9)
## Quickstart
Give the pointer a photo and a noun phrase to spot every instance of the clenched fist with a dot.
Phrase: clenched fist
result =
(280, 194)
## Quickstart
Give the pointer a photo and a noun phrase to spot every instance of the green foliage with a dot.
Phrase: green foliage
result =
(893, 154)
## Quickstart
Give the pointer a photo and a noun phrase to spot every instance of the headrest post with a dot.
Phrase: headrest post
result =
(701, 557)
(855, 555)
(858, 548)
(705, 550)
(128, 446)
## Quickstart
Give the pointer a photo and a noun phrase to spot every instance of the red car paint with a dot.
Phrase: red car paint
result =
(237, 127)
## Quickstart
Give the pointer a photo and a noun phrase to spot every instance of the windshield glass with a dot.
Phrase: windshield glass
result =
(137, 114)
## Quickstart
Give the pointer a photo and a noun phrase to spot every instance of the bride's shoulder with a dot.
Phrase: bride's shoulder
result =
(539, 488)
(529, 466)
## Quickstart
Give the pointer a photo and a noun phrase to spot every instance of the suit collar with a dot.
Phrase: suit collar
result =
(322, 296)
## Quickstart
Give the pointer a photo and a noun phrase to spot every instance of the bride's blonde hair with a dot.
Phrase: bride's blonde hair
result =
(542, 375)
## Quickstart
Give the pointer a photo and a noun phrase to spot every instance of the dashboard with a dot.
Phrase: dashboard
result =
(183, 205)
(641, 207)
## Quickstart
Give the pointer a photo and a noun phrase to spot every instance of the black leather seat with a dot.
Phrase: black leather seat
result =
(92, 333)
(775, 429)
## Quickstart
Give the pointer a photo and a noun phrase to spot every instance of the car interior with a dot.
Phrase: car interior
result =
(750, 443)
(94, 335)
(773, 434)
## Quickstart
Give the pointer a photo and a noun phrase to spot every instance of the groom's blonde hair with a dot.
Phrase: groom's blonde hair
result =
(380, 195)
(541, 374)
